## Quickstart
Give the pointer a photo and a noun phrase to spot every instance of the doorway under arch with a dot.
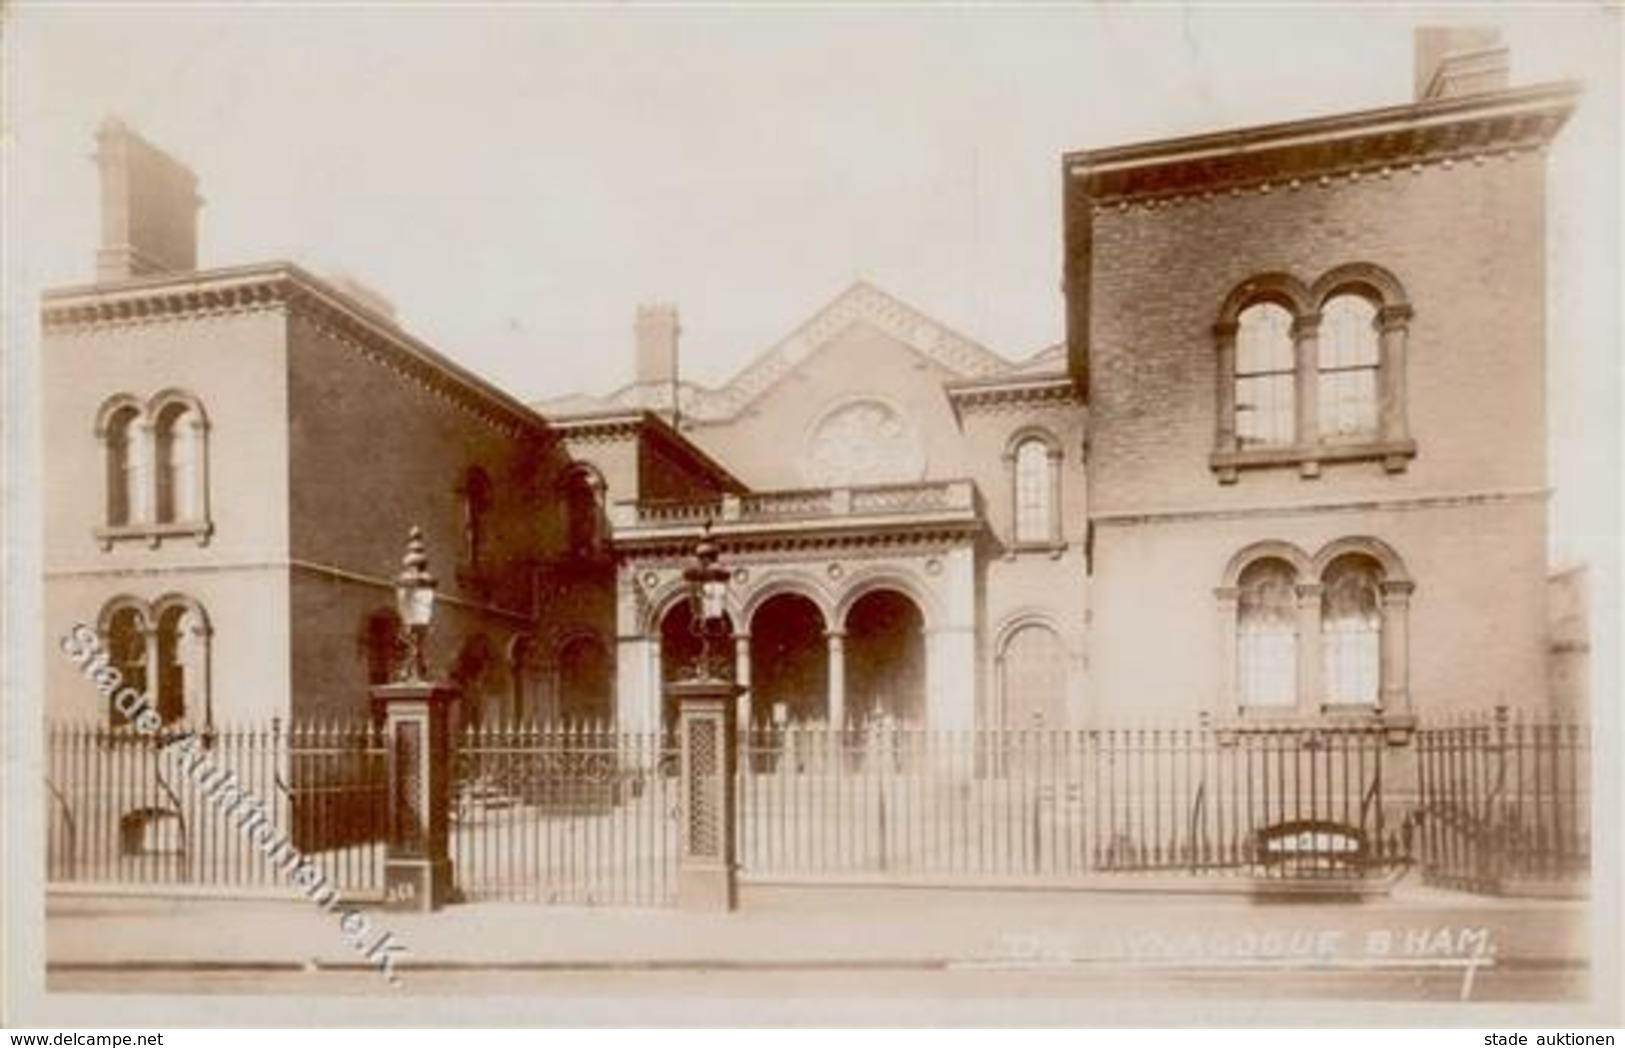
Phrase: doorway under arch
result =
(789, 660)
(885, 659)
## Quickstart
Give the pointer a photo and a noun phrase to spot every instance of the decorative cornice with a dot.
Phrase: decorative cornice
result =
(1377, 143)
(680, 548)
(604, 428)
(285, 288)
(1015, 392)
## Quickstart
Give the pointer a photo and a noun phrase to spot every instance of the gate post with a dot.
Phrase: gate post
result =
(706, 725)
(417, 730)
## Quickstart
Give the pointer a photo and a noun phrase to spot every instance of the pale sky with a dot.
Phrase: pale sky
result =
(516, 180)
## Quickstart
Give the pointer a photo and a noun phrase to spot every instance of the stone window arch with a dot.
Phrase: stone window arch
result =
(581, 491)
(1307, 375)
(120, 426)
(125, 626)
(1031, 668)
(1033, 457)
(181, 667)
(179, 458)
(156, 468)
(1303, 636)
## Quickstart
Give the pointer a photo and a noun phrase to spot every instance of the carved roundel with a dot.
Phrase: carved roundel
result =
(862, 442)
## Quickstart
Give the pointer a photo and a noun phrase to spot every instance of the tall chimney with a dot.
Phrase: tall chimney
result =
(1452, 61)
(657, 331)
(149, 207)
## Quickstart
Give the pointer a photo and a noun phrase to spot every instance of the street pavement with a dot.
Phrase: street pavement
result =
(1413, 937)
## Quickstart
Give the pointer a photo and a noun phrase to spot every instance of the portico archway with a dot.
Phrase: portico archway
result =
(789, 657)
(885, 658)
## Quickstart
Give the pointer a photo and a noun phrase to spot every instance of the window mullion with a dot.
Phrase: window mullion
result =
(1306, 389)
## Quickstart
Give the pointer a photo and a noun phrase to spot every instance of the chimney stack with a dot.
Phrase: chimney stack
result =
(657, 331)
(149, 207)
(1452, 61)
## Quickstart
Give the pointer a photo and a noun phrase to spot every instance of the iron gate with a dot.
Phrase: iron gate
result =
(580, 814)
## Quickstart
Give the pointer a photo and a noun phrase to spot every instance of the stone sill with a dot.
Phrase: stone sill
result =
(1395, 456)
(1333, 718)
(154, 534)
(1052, 550)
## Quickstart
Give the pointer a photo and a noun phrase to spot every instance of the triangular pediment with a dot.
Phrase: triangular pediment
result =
(860, 304)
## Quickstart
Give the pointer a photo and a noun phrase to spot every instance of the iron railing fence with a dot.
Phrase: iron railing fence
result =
(1504, 801)
(1056, 804)
(565, 813)
(592, 814)
(124, 807)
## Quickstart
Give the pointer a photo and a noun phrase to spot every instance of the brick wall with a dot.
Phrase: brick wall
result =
(1467, 516)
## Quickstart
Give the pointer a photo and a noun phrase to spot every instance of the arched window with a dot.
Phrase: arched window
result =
(583, 511)
(177, 440)
(1349, 358)
(1351, 631)
(1267, 635)
(380, 641)
(125, 634)
(476, 493)
(1032, 671)
(183, 649)
(1264, 403)
(1036, 512)
(126, 468)
(156, 475)
(1312, 375)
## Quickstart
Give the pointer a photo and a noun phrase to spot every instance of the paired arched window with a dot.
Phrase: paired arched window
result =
(1035, 462)
(1265, 359)
(1349, 359)
(1312, 374)
(156, 456)
(1351, 631)
(1308, 635)
(1267, 635)
(161, 652)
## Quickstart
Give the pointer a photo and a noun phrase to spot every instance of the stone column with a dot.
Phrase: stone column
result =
(950, 678)
(633, 683)
(1224, 340)
(836, 706)
(1227, 599)
(1396, 626)
(1392, 326)
(707, 867)
(742, 678)
(1311, 693)
(418, 872)
(1306, 378)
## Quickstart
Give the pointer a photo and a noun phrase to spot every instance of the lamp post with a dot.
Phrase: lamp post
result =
(417, 733)
(706, 872)
(414, 601)
(707, 596)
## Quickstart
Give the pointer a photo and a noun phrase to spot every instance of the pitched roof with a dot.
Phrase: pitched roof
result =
(861, 302)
